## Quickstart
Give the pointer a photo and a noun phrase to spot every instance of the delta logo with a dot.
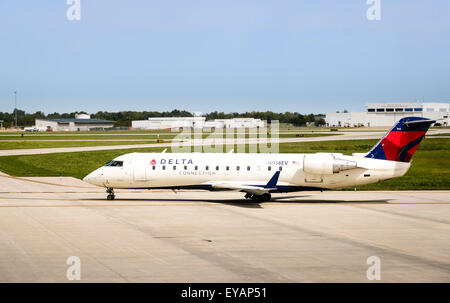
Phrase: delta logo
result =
(172, 161)
(176, 161)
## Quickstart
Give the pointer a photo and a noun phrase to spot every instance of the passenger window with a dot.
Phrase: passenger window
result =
(153, 167)
(248, 167)
(269, 168)
(237, 167)
(227, 168)
(185, 167)
(217, 167)
(163, 167)
(206, 167)
(174, 167)
(281, 168)
(195, 167)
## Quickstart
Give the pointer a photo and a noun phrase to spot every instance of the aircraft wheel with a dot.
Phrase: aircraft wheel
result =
(266, 197)
(255, 198)
(248, 195)
(110, 192)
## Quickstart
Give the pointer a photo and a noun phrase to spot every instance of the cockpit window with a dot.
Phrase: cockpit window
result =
(114, 163)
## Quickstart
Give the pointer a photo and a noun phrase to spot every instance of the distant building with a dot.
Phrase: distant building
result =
(235, 123)
(77, 124)
(195, 122)
(82, 116)
(169, 123)
(386, 114)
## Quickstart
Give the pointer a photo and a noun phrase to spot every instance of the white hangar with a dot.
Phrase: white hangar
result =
(386, 114)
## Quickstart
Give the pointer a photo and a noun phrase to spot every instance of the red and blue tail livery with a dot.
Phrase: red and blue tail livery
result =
(400, 143)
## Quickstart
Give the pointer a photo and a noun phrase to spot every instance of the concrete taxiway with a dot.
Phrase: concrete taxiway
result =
(164, 236)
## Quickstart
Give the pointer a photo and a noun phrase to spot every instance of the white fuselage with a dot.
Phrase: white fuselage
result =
(206, 170)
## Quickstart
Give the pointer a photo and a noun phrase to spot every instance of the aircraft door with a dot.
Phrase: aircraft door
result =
(139, 171)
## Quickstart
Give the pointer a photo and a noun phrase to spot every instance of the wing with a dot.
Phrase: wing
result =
(246, 187)
(256, 190)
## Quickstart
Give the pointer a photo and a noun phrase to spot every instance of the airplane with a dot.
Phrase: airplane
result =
(259, 175)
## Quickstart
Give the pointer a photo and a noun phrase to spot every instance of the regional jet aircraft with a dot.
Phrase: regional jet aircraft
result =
(259, 175)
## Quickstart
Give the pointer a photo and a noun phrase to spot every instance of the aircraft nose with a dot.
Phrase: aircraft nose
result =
(88, 178)
(93, 178)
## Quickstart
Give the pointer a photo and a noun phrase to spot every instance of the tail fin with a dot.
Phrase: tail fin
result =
(400, 143)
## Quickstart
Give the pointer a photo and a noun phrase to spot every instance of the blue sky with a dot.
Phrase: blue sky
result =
(204, 55)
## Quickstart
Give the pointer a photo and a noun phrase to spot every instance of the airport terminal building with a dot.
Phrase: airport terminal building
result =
(386, 114)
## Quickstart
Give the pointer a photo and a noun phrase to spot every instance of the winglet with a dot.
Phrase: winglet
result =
(273, 181)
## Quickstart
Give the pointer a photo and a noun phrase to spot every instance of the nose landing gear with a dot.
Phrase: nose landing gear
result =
(110, 192)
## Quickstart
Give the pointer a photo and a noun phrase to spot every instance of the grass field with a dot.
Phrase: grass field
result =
(85, 137)
(47, 144)
(53, 140)
(430, 168)
(77, 164)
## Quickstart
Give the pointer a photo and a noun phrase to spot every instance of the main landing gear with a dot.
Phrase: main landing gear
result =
(110, 192)
(258, 198)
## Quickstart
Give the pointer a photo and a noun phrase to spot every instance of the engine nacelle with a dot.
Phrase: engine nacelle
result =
(325, 164)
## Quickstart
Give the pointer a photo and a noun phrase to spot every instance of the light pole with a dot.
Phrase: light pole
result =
(15, 106)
